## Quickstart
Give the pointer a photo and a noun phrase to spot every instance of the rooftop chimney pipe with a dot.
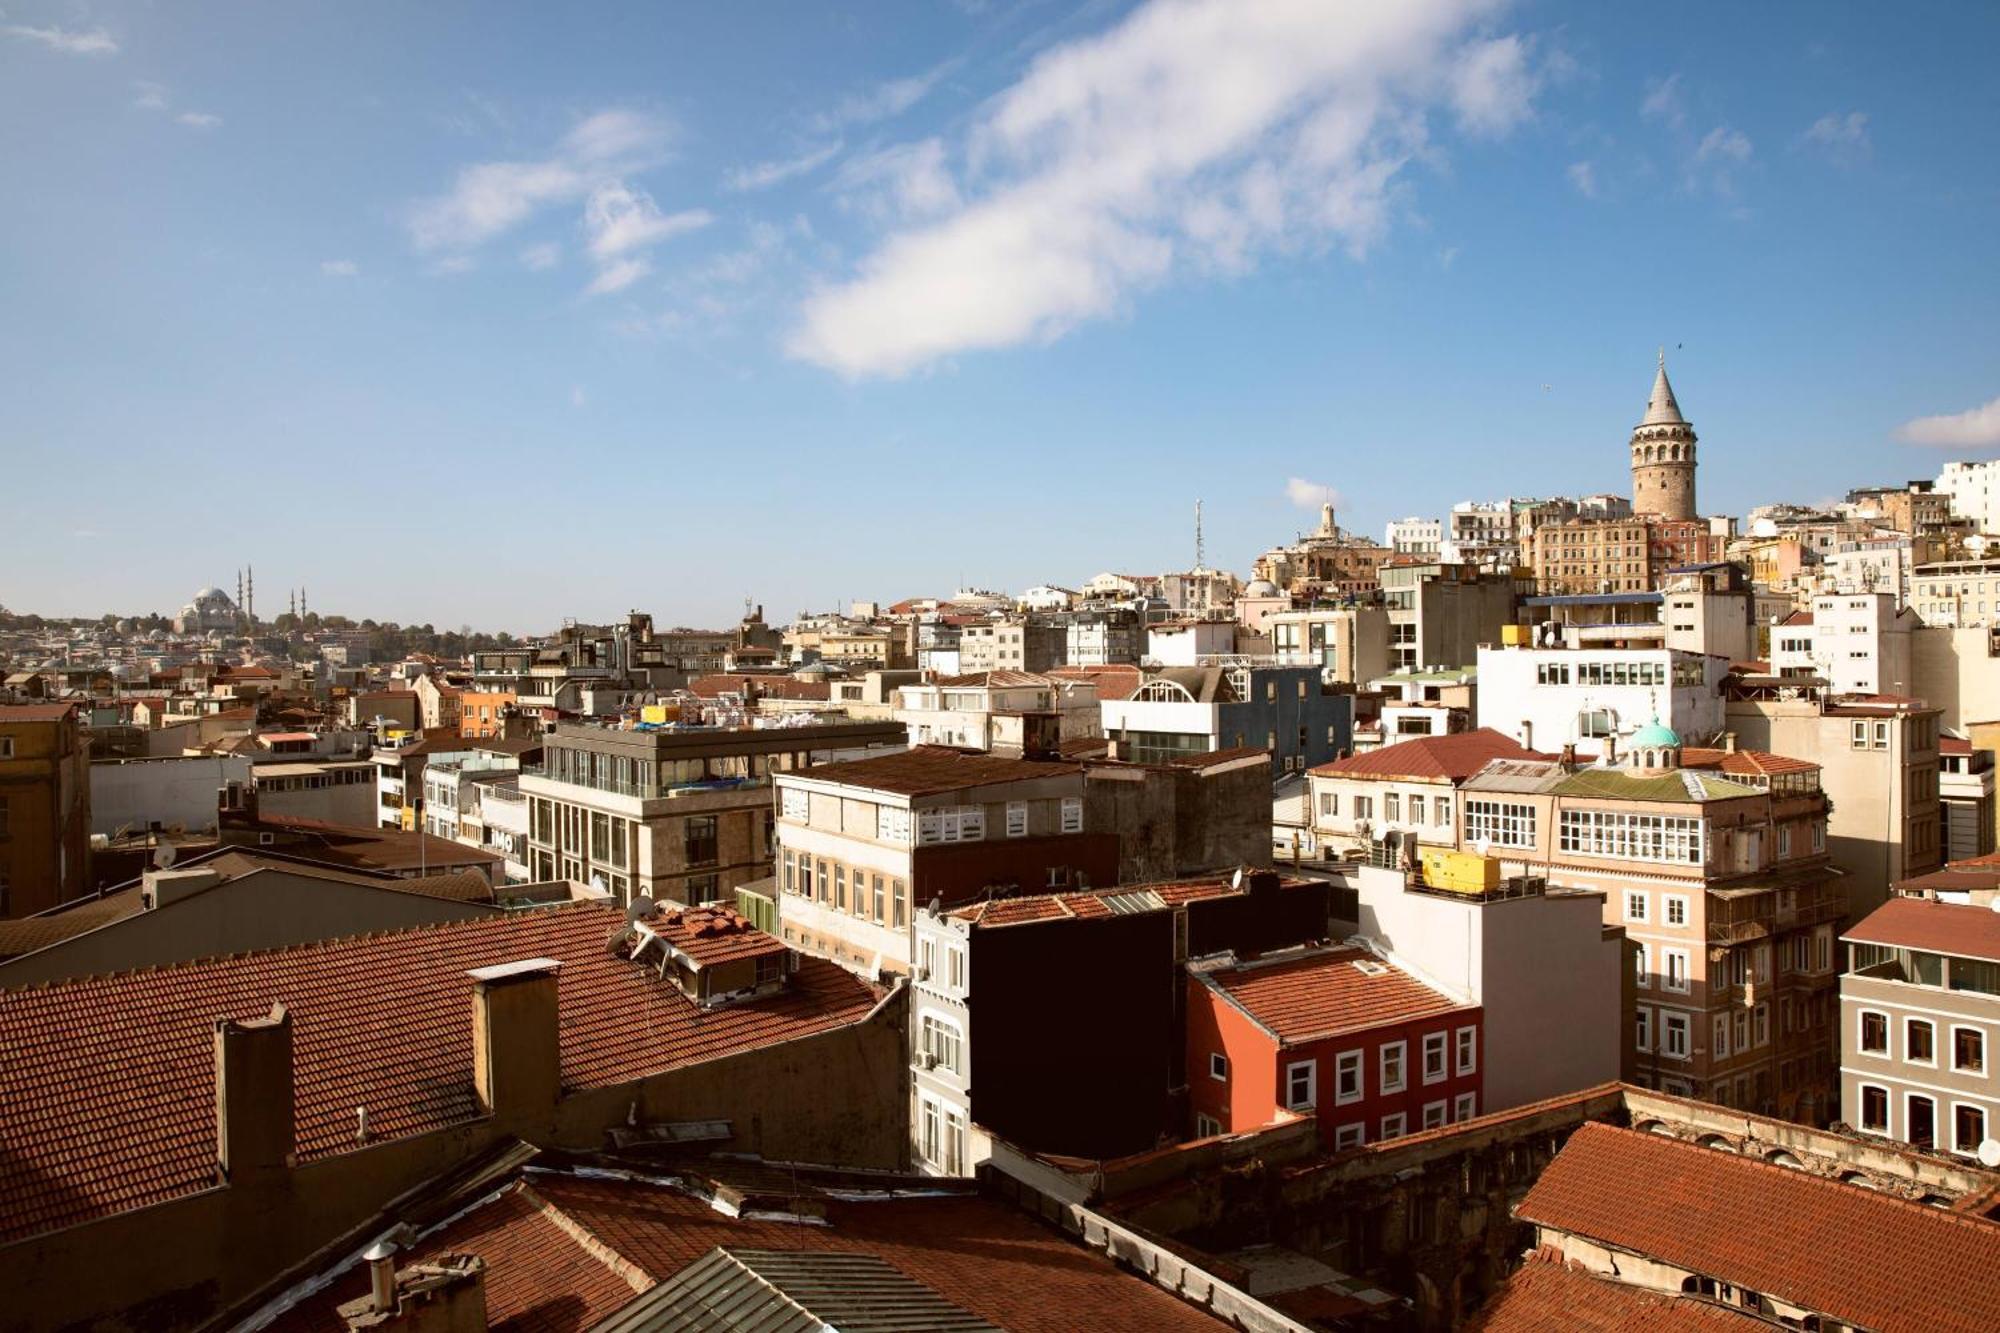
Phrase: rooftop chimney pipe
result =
(381, 1257)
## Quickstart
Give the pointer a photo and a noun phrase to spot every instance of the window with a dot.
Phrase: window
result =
(941, 1042)
(1465, 1106)
(840, 887)
(1919, 1042)
(1968, 1050)
(1500, 823)
(1435, 1114)
(825, 885)
(1674, 1036)
(1920, 1129)
(1676, 909)
(1434, 1062)
(1881, 735)
(1627, 837)
(1468, 1050)
(1642, 961)
(1784, 840)
(1347, 1085)
(1676, 964)
(1874, 1032)
(1218, 1066)
(1393, 1055)
(1329, 803)
(701, 841)
(1394, 1126)
(1364, 807)
(954, 965)
(1443, 807)
(1742, 1029)
(930, 1143)
(1719, 1041)
(1017, 819)
(6, 747)
(879, 899)
(1642, 1029)
(1635, 906)
(1349, 1136)
(1416, 809)
(1206, 1126)
(1392, 806)
(1760, 1025)
(1299, 1089)
(1874, 1109)
(1968, 1127)
(900, 901)
(1072, 814)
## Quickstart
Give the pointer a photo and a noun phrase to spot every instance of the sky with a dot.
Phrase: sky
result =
(495, 314)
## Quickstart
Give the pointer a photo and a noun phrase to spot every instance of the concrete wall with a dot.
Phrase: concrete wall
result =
(126, 793)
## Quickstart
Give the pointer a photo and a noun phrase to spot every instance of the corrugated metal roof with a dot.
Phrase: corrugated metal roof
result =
(791, 1291)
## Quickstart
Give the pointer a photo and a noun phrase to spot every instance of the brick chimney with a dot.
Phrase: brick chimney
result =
(446, 1294)
(253, 1094)
(516, 1052)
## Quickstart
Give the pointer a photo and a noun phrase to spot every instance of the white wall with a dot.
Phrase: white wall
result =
(1509, 694)
(127, 793)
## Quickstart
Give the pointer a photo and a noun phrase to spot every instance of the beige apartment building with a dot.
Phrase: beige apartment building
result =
(1350, 643)
(1879, 766)
(1582, 555)
(1715, 864)
(1920, 1016)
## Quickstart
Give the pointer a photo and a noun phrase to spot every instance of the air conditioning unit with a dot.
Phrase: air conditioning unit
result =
(926, 1061)
(922, 973)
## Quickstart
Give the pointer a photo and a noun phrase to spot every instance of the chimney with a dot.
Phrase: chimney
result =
(1569, 758)
(253, 1094)
(1610, 750)
(445, 1294)
(516, 1050)
(1729, 742)
(157, 888)
(1527, 734)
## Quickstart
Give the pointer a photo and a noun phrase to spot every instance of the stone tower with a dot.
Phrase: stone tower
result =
(1663, 455)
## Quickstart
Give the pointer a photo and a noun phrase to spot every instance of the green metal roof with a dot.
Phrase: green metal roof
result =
(1618, 784)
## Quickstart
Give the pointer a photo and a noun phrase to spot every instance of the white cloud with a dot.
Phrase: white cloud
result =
(1663, 101)
(618, 275)
(1193, 133)
(622, 223)
(763, 175)
(885, 100)
(1448, 256)
(1584, 177)
(1723, 144)
(454, 264)
(200, 120)
(151, 96)
(576, 396)
(543, 256)
(489, 198)
(1841, 139)
(69, 41)
(1312, 494)
(339, 268)
(1977, 428)
(899, 183)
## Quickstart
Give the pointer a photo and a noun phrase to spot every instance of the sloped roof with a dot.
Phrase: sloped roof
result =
(1449, 758)
(109, 1100)
(1323, 994)
(1860, 1255)
(712, 935)
(1624, 784)
(1661, 409)
(1744, 763)
(924, 770)
(1547, 1293)
(1121, 901)
(1959, 929)
(1113, 682)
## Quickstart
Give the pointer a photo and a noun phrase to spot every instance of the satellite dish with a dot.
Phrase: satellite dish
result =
(163, 857)
(638, 909)
(1483, 846)
(1236, 880)
(1995, 904)
(1989, 1153)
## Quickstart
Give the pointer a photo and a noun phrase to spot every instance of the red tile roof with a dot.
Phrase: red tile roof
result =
(1547, 1293)
(369, 848)
(10, 713)
(925, 770)
(1864, 1257)
(1452, 758)
(1954, 745)
(711, 935)
(1113, 682)
(108, 1099)
(772, 686)
(1323, 994)
(1958, 929)
(1744, 763)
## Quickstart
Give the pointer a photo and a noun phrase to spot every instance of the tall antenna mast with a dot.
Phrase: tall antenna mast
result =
(1197, 536)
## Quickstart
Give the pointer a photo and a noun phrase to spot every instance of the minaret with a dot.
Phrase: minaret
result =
(1663, 455)
(250, 594)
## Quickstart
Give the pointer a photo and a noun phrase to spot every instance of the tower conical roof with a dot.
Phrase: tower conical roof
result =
(1661, 409)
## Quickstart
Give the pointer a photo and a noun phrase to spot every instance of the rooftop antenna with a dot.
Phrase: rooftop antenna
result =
(1197, 535)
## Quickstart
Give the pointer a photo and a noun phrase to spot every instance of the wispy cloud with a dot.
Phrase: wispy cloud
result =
(339, 268)
(622, 224)
(899, 183)
(1583, 176)
(1312, 494)
(149, 96)
(200, 120)
(545, 255)
(884, 101)
(69, 41)
(1840, 139)
(1975, 428)
(764, 175)
(487, 199)
(1716, 159)
(577, 398)
(1194, 134)
(1663, 101)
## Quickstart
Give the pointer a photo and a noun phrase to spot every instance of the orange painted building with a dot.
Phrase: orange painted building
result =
(1337, 1033)
(480, 712)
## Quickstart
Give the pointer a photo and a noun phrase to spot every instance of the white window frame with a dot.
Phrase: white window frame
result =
(1644, 979)
(1718, 1040)
(1394, 1126)
(1311, 1099)
(1465, 1106)
(1443, 1047)
(1637, 898)
(1674, 905)
(1350, 1136)
(1437, 1113)
(1888, 1050)
(1206, 1126)
(1910, 1059)
(1669, 1021)
(1465, 1049)
(1985, 1065)
(1939, 1131)
(1669, 957)
(1401, 1051)
(1343, 1063)
(1985, 1127)
(1642, 1028)
(1218, 1066)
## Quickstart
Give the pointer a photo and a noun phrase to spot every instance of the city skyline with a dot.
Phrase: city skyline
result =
(631, 282)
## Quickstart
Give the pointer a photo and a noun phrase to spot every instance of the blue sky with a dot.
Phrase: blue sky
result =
(492, 314)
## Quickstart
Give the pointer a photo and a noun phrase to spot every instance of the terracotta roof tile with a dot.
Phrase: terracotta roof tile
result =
(107, 1085)
(1454, 757)
(10, 713)
(711, 935)
(1744, 763)
(925, 770)
(1864, 1257)
(1547, 1293)
(1936, 927)
(1324, 993)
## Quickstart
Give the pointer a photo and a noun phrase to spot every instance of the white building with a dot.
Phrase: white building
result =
(995, 710)
(1048, 597)
(1592, 698)
(1415, 536)
(1189, 642)
(1957, 594)
(1974, 489)
(1861, 642)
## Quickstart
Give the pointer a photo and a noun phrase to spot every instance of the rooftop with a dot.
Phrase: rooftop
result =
(1325, 993)
(711, 935)
(356, 847)
(109, 1103)
(1546, 1293)
(1123, 901)
(925, 770)
(1453, 757)
(1958, 929)
(1860, 1255)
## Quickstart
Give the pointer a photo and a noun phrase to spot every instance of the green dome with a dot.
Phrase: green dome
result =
(1654, 735)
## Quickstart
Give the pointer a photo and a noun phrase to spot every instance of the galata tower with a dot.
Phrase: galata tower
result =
(1663, 455)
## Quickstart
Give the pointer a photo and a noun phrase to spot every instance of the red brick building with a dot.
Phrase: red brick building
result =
(1338, 1032)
